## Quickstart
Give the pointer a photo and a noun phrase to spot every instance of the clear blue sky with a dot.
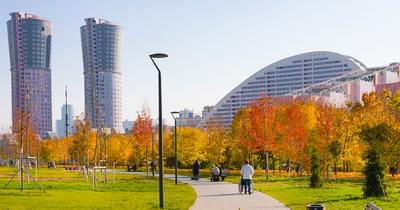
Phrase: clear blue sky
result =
(213, 45)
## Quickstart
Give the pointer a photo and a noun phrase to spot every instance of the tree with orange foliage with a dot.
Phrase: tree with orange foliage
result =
(241, 131)
(141, 135)
(25, 133)
(326, 134)
(296, 139)
(262, 117)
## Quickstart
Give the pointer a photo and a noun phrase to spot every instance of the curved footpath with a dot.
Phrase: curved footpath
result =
(222, 195)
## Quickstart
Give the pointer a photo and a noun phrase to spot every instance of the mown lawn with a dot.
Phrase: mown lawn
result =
(342, 193)
(64, 190)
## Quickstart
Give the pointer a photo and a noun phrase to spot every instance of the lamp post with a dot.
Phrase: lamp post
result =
(176, 153)
(160, 136)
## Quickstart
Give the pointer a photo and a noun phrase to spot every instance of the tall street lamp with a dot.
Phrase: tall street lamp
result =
(160, 136)
(176, 153)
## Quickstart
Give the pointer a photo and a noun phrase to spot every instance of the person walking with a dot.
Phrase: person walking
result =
(247, 173)
(196, 170)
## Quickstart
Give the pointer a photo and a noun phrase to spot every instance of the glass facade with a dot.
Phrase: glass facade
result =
(101, 49)
(29, 39)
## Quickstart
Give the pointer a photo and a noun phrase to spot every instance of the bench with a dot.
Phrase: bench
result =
(71, 168)
(224, 173)
(371, 206)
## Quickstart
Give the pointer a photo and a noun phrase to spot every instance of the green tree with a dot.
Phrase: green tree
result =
(375, 137)
(315, 179)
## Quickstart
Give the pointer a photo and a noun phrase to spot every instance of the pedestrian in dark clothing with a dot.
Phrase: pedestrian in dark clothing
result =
(220, 171)
(196, 170)
(392, 170)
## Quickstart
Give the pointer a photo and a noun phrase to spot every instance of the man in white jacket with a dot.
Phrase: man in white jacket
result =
(247, 173)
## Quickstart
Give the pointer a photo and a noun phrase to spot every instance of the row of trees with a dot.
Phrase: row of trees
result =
(265, 132)
(363, 137)
(272, 135)
(299, 135)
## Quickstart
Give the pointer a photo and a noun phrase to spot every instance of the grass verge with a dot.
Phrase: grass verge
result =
(64, 190)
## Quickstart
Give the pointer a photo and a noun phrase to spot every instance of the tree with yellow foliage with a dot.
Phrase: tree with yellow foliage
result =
(190, 143)
(120, 149)
(216, 144)
(83, 142)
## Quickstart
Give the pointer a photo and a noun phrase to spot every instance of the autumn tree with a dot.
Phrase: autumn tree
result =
(296, 135)
(141, 135)
(216, 144)
(120, 149)
(325, 128)
(25, 133)
(392, 147)
(83, 142)
(242, 130)
(262, 120)
(191, 146)
(347, 140)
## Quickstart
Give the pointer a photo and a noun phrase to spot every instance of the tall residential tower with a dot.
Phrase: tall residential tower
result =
(101, 49)
(29, 40)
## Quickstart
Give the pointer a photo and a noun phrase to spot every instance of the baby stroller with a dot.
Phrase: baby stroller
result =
(214, 178)
(241, 186)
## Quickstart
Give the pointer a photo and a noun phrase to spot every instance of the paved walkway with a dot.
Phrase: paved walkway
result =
(222, 195)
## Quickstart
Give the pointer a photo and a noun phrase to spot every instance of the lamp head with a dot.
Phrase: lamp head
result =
(173, 113)
(158, 55)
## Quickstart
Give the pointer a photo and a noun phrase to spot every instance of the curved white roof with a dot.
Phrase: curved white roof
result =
(282, 77)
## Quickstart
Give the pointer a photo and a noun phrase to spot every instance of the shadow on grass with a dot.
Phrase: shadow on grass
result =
(19, 194)
(353, 198)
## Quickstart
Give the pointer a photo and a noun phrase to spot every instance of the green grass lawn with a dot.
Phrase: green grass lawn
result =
(64, 190)
(343, 193)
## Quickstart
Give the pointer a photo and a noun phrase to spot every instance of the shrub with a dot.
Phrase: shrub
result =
(315, 179)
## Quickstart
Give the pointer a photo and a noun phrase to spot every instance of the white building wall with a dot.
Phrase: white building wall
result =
(282, 77)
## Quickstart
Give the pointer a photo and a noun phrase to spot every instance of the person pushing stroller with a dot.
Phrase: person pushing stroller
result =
(247, 173)
(215, 173)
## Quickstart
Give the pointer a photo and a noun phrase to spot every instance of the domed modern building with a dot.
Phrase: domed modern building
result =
(289, 77)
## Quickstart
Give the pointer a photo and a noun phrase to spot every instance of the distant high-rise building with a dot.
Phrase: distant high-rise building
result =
(101, 49)
(29, 40)
(127, 125)
(187, 118)
(61, 123)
